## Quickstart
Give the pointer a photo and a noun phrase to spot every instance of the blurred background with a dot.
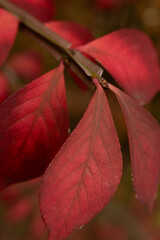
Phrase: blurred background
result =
(125, 217)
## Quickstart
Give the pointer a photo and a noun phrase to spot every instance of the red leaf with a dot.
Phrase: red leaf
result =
(41, 9)
(144, 140)
(20, 210)
(131, 59)
(8, 30)
(33, 126)
(28, 64)
(72, 32)
(85, 173)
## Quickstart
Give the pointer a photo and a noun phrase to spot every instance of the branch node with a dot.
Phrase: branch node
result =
(103, 82)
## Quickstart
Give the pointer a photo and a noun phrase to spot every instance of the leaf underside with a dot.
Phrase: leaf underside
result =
(144, 141)
(33, 126)
(85, 173)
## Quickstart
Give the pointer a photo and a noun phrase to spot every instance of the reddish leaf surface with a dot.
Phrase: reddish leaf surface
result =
(131, 59)
(144, 140)
(72, 32)
(20, 210)
(85, 173)
(41, 9)
(33, 126)
(28, 65)
(4, 87)
(8, 30)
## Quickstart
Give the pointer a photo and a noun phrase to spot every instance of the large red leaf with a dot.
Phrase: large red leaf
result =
(33, 126)
(8, 30)
(85, 173)
(41, 9)
(144, 140)
(131, 59)
(72, 32)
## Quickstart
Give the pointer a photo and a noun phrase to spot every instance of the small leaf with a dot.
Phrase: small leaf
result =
(20, 210)
(129, 56)
(41, 9)
(144, 141)
(70, 31)
(27, 64)
(85, 173)
(33, 126)
(8, 30)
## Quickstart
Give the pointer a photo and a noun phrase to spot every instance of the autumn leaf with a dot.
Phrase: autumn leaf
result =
(41, 9)
(20, 210)
(8, 30)
(129, 56)
(33, 126)
(144, 142)
(85, 173)
(26, 64)
(70, 31)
